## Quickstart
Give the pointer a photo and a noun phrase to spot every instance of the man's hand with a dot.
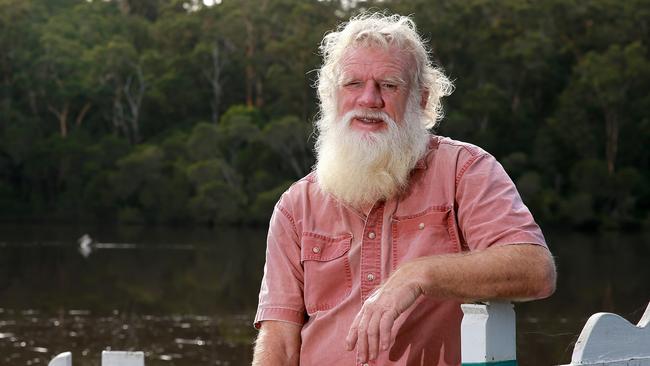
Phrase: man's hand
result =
(372, 326)
(511, 272)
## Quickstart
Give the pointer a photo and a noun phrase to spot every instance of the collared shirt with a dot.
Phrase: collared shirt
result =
(325, 258)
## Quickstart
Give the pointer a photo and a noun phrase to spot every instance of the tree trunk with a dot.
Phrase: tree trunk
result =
(484, 123)
(250, 54)
(213, 75)
(611, 139)
(118, 116)
(259, 93)
(82, 114)
(133, 95)
(516, 99)
(32, 102)
(6, 101)
(62, 117)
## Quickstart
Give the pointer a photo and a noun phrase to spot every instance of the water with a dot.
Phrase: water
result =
(188, 296)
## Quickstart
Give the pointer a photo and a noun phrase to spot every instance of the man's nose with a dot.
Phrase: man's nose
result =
(371, 96)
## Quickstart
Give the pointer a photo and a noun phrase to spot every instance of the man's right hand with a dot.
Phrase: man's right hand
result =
(371, 329)
(277, 344)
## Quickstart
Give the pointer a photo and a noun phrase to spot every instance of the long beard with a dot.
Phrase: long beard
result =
(362, 168)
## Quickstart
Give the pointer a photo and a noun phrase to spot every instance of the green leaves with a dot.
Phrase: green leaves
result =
(159, 111)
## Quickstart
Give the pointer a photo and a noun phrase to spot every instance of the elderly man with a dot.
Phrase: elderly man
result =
(371, 254)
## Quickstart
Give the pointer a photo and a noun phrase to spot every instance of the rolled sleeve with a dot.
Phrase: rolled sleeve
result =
(281, 292)
(490, 210)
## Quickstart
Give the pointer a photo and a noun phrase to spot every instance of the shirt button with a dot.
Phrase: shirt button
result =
(315, 250)
(370, 277)
(421, 226)
(371, 235)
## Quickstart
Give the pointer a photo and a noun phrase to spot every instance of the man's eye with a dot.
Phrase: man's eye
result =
(352, 83)
(389, 86)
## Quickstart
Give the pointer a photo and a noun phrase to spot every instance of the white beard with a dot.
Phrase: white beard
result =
(360, 168)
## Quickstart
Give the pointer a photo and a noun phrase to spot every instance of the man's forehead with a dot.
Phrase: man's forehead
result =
(386, 60)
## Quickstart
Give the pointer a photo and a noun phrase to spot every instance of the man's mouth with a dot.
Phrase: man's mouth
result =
(368, 120)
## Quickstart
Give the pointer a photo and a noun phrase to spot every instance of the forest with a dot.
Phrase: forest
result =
(171, 112)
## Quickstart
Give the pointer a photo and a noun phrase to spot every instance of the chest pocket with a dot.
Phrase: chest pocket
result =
(428, 233)
(327, 274)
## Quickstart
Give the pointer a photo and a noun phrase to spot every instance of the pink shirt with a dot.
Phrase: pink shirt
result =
(324, 258)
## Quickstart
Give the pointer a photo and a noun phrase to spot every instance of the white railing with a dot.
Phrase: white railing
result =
(609, 340)
(488, 334)
(488, 338)
(109, 358)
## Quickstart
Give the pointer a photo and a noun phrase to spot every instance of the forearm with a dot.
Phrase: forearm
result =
(277, 344)
(512, 272)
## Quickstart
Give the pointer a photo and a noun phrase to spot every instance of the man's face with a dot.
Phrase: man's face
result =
(374, 79)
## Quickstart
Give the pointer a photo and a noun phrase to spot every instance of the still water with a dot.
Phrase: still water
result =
(188, 296)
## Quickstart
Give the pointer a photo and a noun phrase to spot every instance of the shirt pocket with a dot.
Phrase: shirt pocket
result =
(327, 274)
(427, 233)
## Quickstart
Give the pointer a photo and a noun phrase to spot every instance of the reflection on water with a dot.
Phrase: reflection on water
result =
(183, 339)
(188, 296)
(128, 294)
(597, 272)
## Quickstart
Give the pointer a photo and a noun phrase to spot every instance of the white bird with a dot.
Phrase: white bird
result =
(85, 245)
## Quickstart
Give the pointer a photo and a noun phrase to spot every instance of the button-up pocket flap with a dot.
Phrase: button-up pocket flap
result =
(431, 217)
(423, 234)
(318, 247)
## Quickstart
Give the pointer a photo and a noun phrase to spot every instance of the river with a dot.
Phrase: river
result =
(188, 296)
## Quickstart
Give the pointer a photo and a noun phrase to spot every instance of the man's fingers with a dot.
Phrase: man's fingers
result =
(373, 335)
(385, 327)
(351, 339)
(362, 339)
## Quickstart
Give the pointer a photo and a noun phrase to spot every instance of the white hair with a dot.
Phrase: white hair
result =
(380, 30)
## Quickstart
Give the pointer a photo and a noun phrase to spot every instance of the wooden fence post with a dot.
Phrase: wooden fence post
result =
(488, 334)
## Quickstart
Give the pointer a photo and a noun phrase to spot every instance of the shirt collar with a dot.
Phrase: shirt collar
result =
(432, 145)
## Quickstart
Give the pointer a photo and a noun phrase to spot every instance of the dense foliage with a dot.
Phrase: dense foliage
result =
(169, 111)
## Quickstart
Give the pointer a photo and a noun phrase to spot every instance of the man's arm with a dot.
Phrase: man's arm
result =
(514, 272)
(277, 344)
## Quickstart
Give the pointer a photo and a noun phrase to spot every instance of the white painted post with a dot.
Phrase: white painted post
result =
(122, 358)
(488, 334)
(62, 359)
(609, 340)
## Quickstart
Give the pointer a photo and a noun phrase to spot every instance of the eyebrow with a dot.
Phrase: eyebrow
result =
(344, 79)
(394, 80)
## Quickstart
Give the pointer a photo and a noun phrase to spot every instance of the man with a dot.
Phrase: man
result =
(370, 255)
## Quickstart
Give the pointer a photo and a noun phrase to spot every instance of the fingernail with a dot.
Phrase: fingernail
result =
(384, 346)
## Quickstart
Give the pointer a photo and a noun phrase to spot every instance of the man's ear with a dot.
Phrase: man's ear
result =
(424, 98)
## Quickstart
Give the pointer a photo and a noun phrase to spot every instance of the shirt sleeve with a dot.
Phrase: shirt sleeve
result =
(489, 208)
(281, 292)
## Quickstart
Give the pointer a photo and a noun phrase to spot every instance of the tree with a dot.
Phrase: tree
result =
(288, 137)
(119, 69)
(61, 70)
(608, 89)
